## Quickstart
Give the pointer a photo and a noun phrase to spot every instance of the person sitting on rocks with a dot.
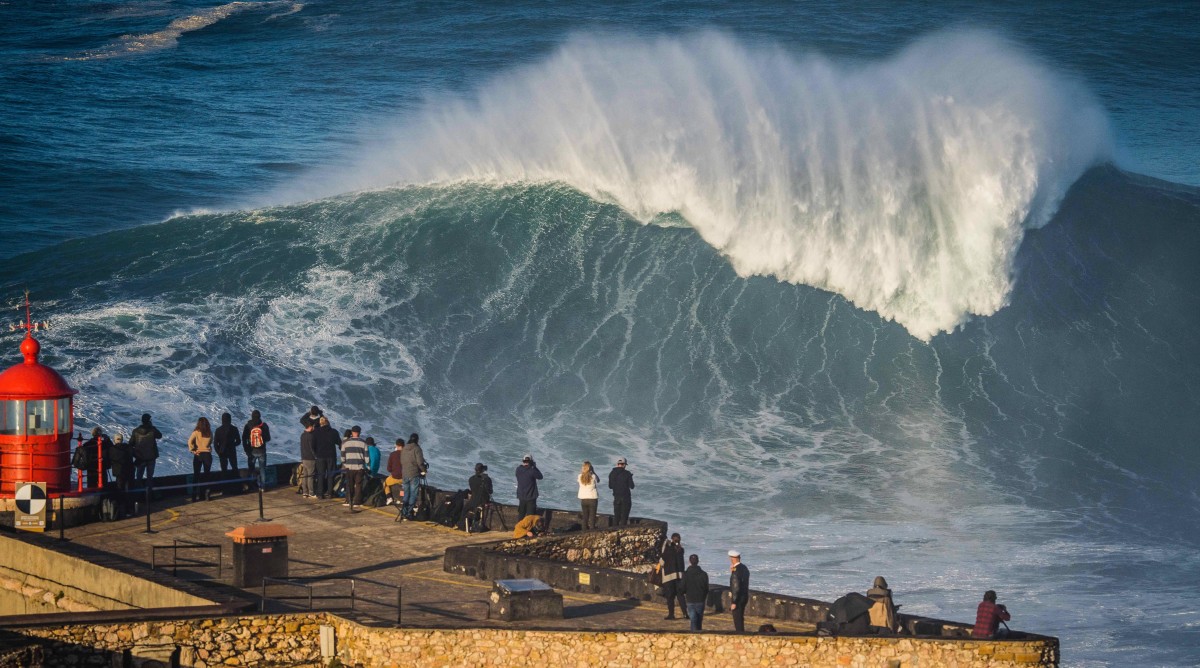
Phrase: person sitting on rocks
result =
(883, 612)
(529, 527)
(988, 616)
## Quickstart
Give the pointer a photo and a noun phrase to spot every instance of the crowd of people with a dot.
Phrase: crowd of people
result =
(682, 581)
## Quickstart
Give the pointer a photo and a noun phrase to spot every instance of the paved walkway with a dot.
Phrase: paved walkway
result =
(378, 553)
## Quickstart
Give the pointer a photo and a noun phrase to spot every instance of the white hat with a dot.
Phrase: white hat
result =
(735, 553)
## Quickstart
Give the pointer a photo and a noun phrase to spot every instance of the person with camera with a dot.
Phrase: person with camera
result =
(412, 461)
(988, 616)
(527, 488)
(620, 481)
(480, 489)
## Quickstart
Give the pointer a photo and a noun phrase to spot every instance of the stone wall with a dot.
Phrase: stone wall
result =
(633, 548)
(294, 640)
(267, 640)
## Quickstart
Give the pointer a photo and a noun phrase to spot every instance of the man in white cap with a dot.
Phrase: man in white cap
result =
(739, 590)
(527, 487)
(620, 481)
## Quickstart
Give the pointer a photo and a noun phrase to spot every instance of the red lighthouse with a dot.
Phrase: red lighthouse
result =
(36, 418)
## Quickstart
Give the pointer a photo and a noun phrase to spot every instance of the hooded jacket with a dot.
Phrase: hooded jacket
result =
(325, 442)
(226, 438)
(144, 440)
(412, 460)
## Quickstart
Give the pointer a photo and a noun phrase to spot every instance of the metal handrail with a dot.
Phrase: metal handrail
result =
(309, 583)
(186, 545)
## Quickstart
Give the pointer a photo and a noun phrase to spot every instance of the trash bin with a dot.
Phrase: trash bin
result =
(513, 600)
(259, 550)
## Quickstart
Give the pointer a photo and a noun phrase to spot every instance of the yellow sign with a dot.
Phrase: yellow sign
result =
(585, 578)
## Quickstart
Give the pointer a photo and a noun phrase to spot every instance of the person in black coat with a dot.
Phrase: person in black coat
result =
(326, 442)
(95, 449)
(144, 441)
(527, 488)
(312, 417)
(225, 442)
(739, 590)
(122, 463)
(255, 437)
(670, 563)
(695, 592)
(480, 486)
(620, 481)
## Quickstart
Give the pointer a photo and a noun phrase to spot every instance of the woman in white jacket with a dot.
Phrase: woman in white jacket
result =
(588, 497)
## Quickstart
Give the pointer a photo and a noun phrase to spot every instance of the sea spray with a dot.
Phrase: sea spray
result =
(905, 185)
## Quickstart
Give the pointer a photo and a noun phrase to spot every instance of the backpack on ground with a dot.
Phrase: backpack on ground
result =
(450, 510)
(424, 504)
(109, 510)
(373, 495)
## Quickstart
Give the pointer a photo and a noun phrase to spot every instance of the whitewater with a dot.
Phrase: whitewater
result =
(904, 185)
(905, 293)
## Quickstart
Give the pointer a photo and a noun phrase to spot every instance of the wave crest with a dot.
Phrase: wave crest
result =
(904, 185)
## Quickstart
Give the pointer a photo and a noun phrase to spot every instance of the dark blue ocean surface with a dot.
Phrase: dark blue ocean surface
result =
(857, 290)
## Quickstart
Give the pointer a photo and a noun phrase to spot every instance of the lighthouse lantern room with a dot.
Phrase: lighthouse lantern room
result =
(36, 419)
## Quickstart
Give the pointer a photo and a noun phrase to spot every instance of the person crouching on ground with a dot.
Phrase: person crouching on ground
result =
(589, 498)
(528, 527)
(988, 616)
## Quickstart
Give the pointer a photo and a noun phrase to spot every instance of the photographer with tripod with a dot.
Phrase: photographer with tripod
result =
(412, 461)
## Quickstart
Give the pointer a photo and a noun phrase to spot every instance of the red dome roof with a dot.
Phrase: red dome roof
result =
(32, 380)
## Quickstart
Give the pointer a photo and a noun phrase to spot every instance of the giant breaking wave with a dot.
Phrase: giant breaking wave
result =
(904, 185)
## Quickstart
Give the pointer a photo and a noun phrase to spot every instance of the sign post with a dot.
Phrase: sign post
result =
(31, 501)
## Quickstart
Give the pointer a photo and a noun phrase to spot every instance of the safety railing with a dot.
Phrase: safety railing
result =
(311, 584)
(187, 562)
(150, 489)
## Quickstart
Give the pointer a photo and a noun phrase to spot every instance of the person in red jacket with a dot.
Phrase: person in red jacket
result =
(988, 616)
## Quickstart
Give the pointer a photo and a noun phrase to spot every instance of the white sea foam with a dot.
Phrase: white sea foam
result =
(168, 37)
(904, 185)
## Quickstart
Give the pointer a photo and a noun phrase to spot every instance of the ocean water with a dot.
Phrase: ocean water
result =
(857, 290)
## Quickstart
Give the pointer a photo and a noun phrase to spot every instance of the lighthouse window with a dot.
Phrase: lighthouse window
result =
(11, 413)
(40, 417)
(64, 415)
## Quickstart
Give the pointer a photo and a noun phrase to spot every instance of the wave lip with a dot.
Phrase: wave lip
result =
(904, 185)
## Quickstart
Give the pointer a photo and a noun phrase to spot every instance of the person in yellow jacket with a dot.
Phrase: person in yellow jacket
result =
(528, 527)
